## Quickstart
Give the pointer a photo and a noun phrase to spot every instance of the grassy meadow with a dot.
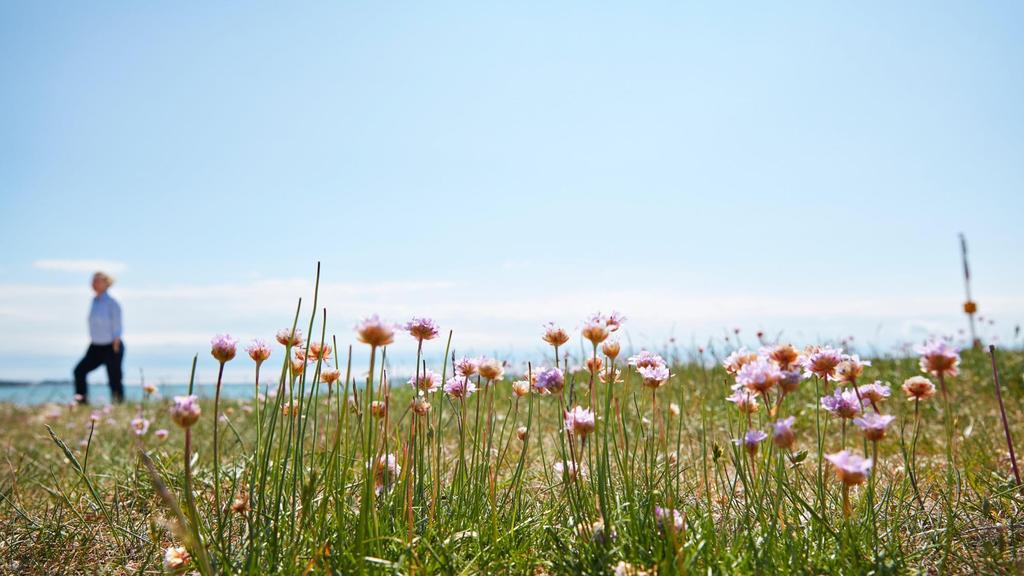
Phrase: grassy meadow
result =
(479, 469)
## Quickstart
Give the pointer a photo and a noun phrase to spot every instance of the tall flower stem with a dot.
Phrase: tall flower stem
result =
(216, 456)
(1002, 413)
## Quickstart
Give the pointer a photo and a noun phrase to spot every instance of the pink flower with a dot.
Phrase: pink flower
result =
(375, 332)
(161, 434)
(653, 376)
(222, 347)
(550, 381)
(744, 401)
(751, 440)
(569, 469)
(939, 358)
(429, 381)
(185, 411)
(422, 329)
(918, 388)
(874, 392)
(467, 366)
(850, 369)
(490, 369)
(258, 350)
(873, 425)
(822, 362)
(850, 468)
(663, 516)
(759, 376)
(843, 403)
(385, 472)
(596, 329)
(176, 558)
(733, 362)
(646, 359)
(554, 335)
(459, 387)
(286, 338)
(782, 432)
(140, 426)
(579, 421)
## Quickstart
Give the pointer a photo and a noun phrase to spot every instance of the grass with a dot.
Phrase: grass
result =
(298, 494)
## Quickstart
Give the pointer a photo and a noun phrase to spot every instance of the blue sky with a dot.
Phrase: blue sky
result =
(801, 167)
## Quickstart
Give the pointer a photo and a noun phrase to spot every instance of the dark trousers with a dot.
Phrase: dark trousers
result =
(96, 356)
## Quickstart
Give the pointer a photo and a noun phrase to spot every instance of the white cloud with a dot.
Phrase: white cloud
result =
(111, 266)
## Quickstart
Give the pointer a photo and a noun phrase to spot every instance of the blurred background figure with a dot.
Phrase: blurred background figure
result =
(106, 347)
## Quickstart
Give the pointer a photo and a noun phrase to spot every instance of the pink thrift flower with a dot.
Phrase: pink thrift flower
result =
(843, 403)
(459, 387)
(782, 432)
(850, 468)
(140, 426)
(429, 381)
(873, 425)
(938, 357)
(185, 411)
(258, 350)
(222, 347)
(422, 329)
(375, 332)
(550, 381)
(579, 421)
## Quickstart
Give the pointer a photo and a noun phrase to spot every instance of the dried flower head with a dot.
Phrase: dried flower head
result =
(522, 432)
(378, 408)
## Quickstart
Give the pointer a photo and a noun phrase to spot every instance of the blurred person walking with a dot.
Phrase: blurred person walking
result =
(106, 347)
